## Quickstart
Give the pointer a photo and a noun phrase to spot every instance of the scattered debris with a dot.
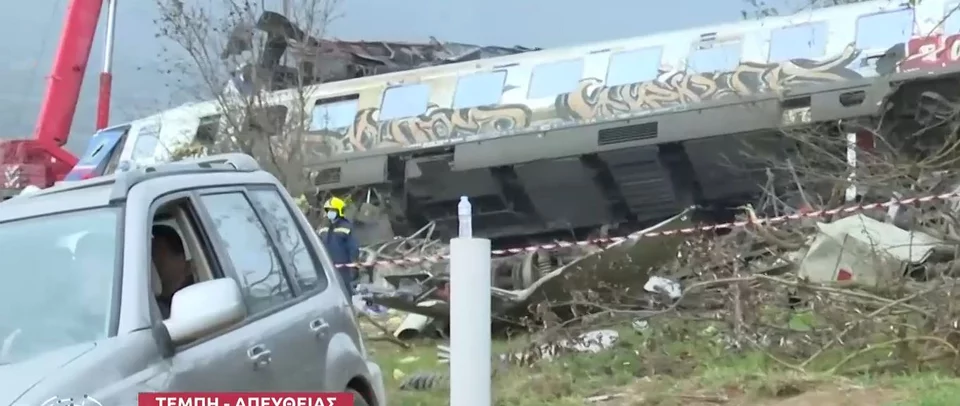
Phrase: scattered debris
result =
(659, 284)
(521, 281)
(639, 325)
(424, 381)
(604, 398)
(414, 324)
(588, 342)
(385, 333)
(863, 250)
(760, 285)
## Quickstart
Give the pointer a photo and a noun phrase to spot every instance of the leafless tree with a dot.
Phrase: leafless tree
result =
(233, 53)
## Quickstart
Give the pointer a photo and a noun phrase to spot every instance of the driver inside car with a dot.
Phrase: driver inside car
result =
(173, 268)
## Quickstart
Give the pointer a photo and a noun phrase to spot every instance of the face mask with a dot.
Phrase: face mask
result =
(332, 215)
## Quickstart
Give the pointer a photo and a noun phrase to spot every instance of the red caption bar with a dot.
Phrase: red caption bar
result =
(245, 399)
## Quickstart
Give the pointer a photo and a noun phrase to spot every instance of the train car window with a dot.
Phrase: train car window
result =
(334, 114)
(638, 65)
(208, 129)
(479, 89)
(148, 139)
(555, 78)
(951, 24)
(884, 30)
(717, 58)
(404, 101)
(804, 41)
(269, 120)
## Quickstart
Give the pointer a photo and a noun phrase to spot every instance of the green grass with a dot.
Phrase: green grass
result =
(668, 367)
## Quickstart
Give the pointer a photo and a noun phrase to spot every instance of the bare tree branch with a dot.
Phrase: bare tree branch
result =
(222, 53)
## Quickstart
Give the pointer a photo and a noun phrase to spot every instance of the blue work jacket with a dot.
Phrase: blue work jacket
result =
(340, 242)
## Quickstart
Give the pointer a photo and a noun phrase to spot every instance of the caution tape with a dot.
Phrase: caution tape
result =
(686, 230)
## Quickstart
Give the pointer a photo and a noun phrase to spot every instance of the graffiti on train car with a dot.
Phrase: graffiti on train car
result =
(931, 52)
(591, 100)
(437, 124)
(675, 88)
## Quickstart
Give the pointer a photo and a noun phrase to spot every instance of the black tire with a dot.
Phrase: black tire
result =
(358, 399)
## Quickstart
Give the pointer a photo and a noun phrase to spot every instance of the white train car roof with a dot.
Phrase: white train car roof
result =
(603, 82)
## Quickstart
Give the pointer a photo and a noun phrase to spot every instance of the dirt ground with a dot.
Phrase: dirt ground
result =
(819, 397)
(838, 397)
(825, 396)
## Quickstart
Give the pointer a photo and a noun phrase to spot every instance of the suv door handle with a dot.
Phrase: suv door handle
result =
(259, 355)
(319, 327)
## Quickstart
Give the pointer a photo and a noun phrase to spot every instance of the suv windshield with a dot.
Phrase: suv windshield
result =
(58, 279)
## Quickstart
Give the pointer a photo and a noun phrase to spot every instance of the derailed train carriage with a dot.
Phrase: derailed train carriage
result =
(566, 141)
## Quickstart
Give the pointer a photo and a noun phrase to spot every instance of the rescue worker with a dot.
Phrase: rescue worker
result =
(340, 242)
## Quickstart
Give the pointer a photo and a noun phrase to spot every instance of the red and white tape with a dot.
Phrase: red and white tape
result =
(686, 230)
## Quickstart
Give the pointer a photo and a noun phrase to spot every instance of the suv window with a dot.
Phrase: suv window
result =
(253, 256)
(308, 273)
(62, 266)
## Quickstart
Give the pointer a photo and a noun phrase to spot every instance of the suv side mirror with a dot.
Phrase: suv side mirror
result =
(204, 307)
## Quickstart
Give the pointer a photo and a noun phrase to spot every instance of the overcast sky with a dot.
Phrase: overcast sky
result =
(32, 30)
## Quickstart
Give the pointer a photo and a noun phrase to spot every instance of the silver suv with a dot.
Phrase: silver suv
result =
(264, 312)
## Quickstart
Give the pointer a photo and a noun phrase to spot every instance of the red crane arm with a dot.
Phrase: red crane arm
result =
(69, 65)
(41, 161)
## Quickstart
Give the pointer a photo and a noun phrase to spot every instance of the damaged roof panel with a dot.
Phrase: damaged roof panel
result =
(321, 60)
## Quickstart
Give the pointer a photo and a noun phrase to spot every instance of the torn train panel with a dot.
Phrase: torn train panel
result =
(322, 60)
(622, 267)
(863, 250)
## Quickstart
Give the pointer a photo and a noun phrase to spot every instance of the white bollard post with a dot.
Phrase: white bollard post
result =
(470, 340)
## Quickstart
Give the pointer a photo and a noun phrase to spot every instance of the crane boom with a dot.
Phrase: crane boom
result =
(41, 161)
(66, 77)
(106, 75)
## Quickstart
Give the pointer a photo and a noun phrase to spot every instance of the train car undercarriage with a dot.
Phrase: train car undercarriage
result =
(530, 188)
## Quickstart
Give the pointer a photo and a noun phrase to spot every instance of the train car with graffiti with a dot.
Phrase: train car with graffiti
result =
(619, 132)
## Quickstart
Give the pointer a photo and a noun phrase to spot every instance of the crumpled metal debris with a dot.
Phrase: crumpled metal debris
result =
(322, 60)
(415, 324)
(864, 250)
(659, 284)
(845, 249)
(521, 281)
